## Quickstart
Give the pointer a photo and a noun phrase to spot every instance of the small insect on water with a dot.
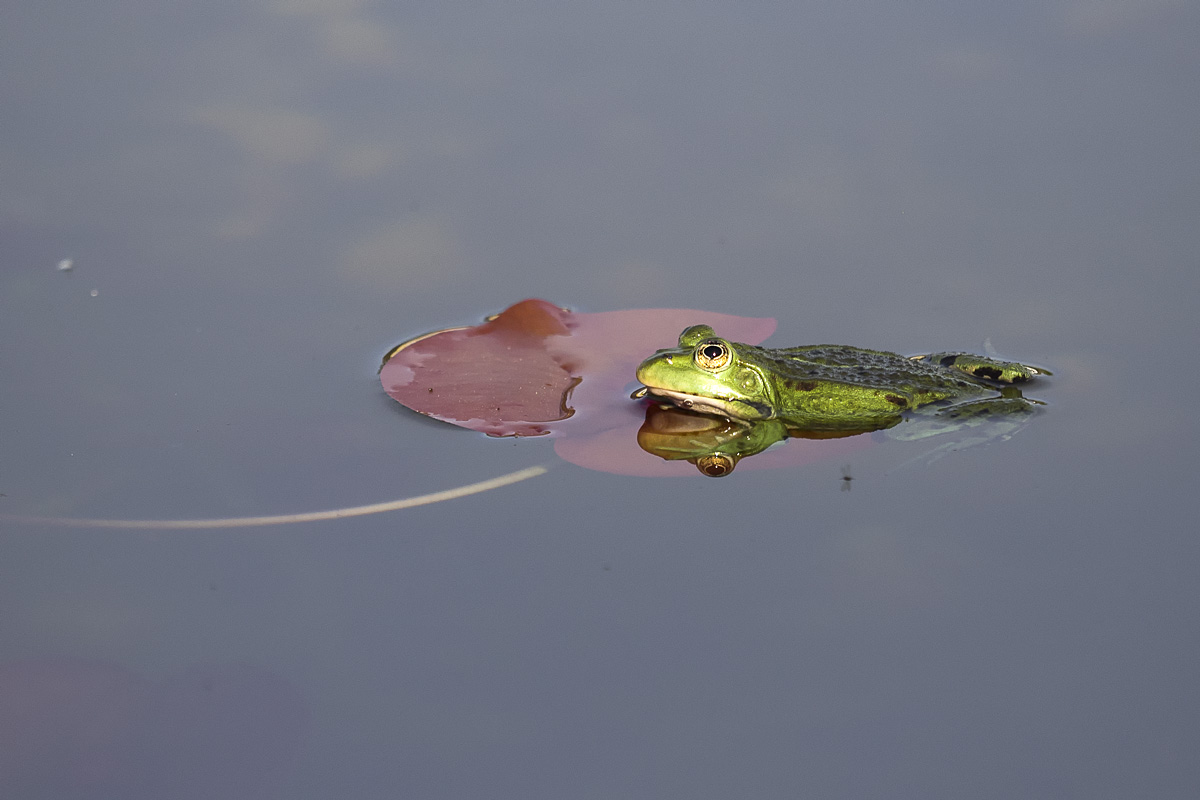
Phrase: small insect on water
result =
(846, 477)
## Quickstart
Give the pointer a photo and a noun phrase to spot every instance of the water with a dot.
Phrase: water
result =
(259, 200)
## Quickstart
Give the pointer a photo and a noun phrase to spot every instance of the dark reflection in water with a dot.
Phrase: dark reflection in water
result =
(87, 729)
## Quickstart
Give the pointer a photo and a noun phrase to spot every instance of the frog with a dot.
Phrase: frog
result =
(830, 388)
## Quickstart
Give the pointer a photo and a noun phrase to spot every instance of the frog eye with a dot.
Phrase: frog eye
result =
(716, 465)
(712, 355)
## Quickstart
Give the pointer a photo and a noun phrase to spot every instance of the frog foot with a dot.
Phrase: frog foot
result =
(988, 369)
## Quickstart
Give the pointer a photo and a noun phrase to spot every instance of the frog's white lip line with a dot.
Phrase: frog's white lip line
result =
(694, 402)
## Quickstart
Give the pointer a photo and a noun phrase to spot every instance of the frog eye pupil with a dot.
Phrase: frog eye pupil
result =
(712, 355)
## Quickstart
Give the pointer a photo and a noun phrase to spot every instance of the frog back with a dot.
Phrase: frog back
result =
(837, 386)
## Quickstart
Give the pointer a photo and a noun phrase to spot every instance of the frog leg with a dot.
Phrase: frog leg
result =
(989, 369)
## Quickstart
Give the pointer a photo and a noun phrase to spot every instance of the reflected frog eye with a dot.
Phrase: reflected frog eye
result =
(716, 465)
(712, 355)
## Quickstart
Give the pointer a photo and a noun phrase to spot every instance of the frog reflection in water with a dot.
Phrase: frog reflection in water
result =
(831, 390)
(713, 444)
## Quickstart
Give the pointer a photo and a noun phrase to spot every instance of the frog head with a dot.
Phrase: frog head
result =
(706, 373)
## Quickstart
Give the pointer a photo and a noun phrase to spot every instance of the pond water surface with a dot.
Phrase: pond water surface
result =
(215, 219)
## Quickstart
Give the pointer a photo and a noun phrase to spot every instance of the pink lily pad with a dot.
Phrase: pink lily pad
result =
(498, 378)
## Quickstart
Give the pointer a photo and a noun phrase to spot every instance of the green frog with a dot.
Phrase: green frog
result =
(832, 388)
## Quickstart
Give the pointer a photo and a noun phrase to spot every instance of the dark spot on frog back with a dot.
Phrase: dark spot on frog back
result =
(896, 400)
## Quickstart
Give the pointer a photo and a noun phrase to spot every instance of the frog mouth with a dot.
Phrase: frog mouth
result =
(735, 410)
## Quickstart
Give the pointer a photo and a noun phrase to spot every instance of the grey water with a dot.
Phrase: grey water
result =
(257, 200)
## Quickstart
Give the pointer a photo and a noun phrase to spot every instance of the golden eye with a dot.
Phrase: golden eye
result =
(712, 355)
(716, 465)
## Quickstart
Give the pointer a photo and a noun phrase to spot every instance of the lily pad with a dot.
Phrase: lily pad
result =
(499, 377)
